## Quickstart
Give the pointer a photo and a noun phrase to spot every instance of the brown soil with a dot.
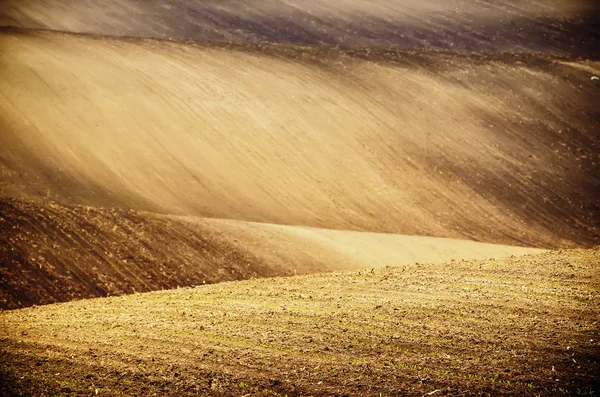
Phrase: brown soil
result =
(495, 148)
(524, 326)
(550, 26)
(55, 253)
(406, 128)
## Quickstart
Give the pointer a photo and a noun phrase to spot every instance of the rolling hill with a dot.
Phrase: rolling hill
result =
(519, 327)
(267, 160)
(567, 27)
(55, 253)
(178, 146)
(496, 149)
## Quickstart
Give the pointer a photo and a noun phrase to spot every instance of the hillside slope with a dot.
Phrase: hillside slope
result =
(501, 149)
(518, 327)
(55, 253)
(550, 26)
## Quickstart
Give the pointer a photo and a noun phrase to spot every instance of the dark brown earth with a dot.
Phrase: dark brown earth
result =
(54, 253)
(566, 27)
(524, 326)
(51, 252)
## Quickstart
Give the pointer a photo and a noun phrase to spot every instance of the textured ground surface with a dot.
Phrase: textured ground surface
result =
(501, 149)
(281, 137)
(568, 27)
(53, 253)
(240, 148)
(523, 327)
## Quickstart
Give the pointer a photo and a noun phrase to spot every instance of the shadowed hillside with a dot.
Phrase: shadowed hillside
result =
(54, 253)
(500, 149)
(557, 26)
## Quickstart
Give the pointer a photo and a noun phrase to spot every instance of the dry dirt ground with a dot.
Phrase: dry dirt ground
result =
(567, 27)
(496, 148)
(54, 253)
(137, 164)
(294, 137)
(524, 326)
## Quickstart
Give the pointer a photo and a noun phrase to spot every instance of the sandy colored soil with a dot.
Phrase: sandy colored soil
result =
(551, 26)
(299, 138)
(502, 149)
(522, 327)
(55, 253)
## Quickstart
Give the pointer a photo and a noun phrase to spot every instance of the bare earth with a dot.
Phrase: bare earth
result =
(134, 165)
(502, 149)
(564, 27)
(54, 253)
(522, 327)
(363, 152)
